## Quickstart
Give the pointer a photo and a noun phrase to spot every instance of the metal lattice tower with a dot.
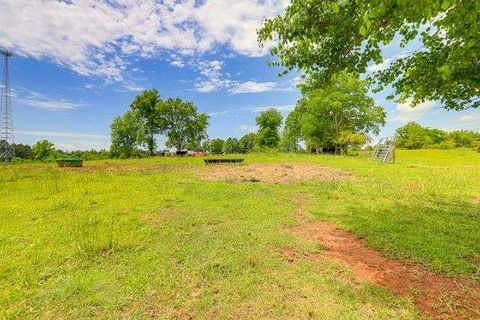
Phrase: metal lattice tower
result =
(6, 121)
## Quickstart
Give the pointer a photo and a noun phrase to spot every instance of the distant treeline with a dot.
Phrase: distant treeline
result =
(414, 136)
(245, 144)
(410, 136)
(44, 150)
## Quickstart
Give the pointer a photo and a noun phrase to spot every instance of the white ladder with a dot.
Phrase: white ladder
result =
(385, 150)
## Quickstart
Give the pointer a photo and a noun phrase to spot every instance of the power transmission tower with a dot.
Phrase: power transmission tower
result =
(6, 121)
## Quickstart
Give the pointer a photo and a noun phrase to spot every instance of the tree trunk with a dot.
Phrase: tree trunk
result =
(151, 144)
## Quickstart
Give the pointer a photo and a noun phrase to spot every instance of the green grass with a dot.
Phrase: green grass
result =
(150, 239)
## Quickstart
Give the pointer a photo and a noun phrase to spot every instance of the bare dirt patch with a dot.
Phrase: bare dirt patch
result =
(290, 253)
(273, 173)
(438, 296)
(157, 218)
(476, 199)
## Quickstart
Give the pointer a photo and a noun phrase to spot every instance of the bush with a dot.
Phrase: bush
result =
(414, 136)
(447, 144)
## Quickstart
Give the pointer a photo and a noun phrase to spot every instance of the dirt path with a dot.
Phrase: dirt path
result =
(437, 296)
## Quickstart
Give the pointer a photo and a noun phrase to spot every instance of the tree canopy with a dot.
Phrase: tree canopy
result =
(182, 124)
(247, 142)
(269, 123)
(334, 115)
(414, 136)
(149, 115)
(231, 145)
(216, 146)
(326, 37)
(23, 151)
(146, 106)
(127, 135)
(43, 150)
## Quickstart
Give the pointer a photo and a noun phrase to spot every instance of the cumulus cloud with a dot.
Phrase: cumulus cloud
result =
(177, 61)
(405, 112)
(212, 78)
(94, 38)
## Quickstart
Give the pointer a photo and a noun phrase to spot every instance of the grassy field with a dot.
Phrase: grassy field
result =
(148, 238)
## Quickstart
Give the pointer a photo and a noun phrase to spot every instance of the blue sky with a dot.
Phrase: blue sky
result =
(78, 64)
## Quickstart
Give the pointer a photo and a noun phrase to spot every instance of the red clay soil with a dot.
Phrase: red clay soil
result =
(438, 296)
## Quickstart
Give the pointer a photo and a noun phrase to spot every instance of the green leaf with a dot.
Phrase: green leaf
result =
(336, 8)
(363, 31)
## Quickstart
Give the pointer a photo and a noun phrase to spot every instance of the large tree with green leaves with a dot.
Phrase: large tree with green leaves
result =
(231, 145)
(269, 123)
(334, 115)
(181, 122)
(148, 115)
(43, 150)
(127, 135)
(413, 136)
(216, 146)
(23, 151)
(146, 106)
(325, 37)
(247, 142)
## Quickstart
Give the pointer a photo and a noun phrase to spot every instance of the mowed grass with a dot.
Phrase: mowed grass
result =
(148, 239)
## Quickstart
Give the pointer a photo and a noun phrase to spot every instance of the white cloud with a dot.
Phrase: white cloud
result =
(284, 108)
(253, 87)
(212, 77)
(61, 134)
(37, 100)
(80, 144)
(380, 66)
(133, 87)
(68, 141)
(94, 38)
(49, 104)
(470, 118)
(405, 112)
(218, 113)
(247, 128)
(296, 81)
(177, 61)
